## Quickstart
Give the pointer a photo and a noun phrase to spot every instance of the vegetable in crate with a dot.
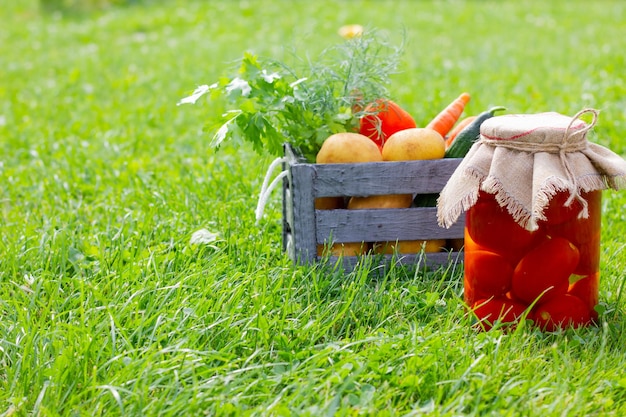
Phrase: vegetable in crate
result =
(414, 144)
(348, 148)
(344, 148)
(306, 103)
(459, 147)
(411, 145)
(443, 122)
(409, 246)
(382, 119)
(462, 124)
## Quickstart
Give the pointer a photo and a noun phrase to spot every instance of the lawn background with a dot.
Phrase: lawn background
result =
(107, 309)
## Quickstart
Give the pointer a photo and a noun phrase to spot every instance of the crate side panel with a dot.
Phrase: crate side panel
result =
(303, 227)
(376, 178)
(383, 225)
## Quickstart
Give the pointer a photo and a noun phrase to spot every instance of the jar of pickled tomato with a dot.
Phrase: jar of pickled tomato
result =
(553, 270)
(531, 188)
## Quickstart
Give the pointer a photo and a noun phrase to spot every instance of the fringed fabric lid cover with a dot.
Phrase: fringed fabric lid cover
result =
(524, 160)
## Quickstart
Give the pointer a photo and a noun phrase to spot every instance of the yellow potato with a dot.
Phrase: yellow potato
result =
(381, 201)
(348, 148)
(414, 144)
(344, 249)
(329, 203)
(410, 246)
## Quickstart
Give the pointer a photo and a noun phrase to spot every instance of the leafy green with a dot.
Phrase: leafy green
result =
(276, 103)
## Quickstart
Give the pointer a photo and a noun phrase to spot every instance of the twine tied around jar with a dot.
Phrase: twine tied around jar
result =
(566, 145)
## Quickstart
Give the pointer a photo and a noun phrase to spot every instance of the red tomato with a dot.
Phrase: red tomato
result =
(497, 309)
(577, 230)
(587, 290)
(492, 227)
(564, 310)
(387, 119)
(557, 213)
(583, 233)
(544, 272)
(469, 244)
(469, 295)
(487, 273)
(589, 262)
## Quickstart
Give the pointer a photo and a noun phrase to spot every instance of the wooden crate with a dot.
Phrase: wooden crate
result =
(304, 227)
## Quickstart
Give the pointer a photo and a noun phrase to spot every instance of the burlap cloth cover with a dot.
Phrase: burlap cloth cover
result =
(524, 159)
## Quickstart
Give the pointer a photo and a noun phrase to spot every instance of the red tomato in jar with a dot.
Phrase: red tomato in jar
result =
(556, 212)
(487, 273)
(469, 295)
(564, 310)
(469, 244)
(545, 270)
(488, 311)
(578, 229)
(589, 262)
(583, 233)
(492, 227)
(586, 289)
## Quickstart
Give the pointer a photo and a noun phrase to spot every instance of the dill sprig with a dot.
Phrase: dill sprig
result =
(304, 104)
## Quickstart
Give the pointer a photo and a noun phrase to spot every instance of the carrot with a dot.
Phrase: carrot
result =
(444, 121)
(457, 128)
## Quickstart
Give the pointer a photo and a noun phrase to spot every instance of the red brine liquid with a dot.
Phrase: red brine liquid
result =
(551, 274)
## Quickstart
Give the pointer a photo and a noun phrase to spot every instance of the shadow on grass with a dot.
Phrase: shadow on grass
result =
(375, 296)
(432, 297)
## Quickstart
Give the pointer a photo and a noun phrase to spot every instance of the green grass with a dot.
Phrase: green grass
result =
(106, 308)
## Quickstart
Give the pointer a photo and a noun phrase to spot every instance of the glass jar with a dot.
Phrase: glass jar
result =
(551, 274)
(531, 189)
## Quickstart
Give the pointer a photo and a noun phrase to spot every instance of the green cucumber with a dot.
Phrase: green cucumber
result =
(470, 134)
(426, 200)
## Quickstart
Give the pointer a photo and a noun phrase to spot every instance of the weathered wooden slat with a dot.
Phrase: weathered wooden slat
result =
(382, 225)
(303, 228)
(375, 178)
(427, 260)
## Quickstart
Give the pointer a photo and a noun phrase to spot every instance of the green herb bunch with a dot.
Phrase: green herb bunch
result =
(275, 103)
